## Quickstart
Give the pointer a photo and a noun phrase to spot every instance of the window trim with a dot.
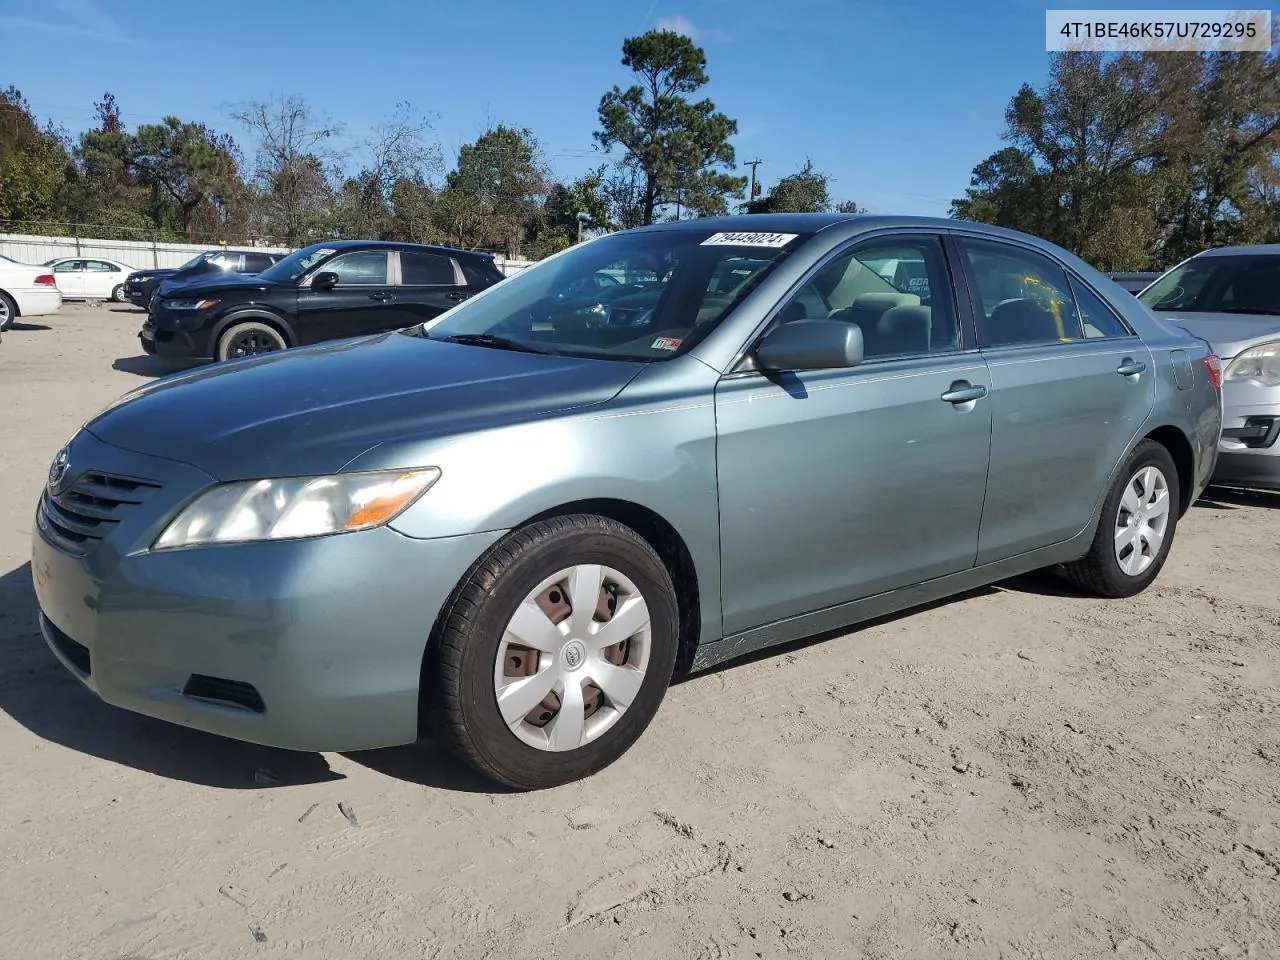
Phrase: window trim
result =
(743, 365)
(975, 293)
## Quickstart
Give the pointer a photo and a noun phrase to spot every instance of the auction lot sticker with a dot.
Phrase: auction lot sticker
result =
(749, 239)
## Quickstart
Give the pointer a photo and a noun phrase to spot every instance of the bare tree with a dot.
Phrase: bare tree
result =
(296, 161)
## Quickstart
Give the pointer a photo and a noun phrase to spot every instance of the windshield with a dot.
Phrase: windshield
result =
(1247, 283)
(628, 296)
(296, 264)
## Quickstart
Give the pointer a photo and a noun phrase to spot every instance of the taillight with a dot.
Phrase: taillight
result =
(1214, 366)
(45, 280)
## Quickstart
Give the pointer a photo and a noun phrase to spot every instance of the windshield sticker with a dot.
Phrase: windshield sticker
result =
(749, 239)
(665, 343)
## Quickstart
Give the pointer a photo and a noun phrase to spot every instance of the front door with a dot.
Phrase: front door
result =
(841, 484)
(360, 304)
(101, 279)
(1070, 388)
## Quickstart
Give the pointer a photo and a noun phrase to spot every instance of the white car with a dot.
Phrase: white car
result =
(90, 278)
(26, 291)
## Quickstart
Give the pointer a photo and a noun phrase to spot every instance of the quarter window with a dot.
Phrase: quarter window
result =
(363, 268)
(1096, 317)
(896, 289)
(426, 269)
(1026, 297)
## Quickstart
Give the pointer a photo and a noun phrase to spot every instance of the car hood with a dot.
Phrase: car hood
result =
(311, 410)
(1229, 333)
(223, 283)
(151, 274)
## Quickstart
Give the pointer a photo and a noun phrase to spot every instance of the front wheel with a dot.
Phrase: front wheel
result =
(117, 293)
(1136, 529)
(554, 654)
(248, 339)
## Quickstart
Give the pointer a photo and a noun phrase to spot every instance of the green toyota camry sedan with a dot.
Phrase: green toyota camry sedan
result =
(656, 451)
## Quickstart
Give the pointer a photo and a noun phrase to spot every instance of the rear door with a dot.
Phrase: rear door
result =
(70, 278)
(429, 284)
(1071, 386)
(360, 304)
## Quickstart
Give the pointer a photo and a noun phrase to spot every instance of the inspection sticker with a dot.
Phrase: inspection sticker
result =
(749, 239)
(665, 343)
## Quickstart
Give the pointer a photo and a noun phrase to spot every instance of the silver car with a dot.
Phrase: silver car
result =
(653, 452)
(1230, 296)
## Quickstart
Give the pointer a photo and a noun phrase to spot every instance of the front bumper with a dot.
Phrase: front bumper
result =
(1249, 447)
(305, 645)
(162, 339)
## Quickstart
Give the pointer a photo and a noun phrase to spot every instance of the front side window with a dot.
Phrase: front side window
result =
(362, 268)
(101, 266)
(646, 296)
(896, 290)
(1231, 283)
(1026, 297)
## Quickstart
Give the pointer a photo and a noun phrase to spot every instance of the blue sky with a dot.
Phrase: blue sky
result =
(895, 100)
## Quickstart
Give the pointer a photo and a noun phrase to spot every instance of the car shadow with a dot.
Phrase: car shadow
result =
(42, 696)
(122, 309)
(147, 366)
(19, 326)
(1233, 498)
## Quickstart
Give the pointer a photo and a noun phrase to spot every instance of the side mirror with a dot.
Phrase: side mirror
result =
(324, 282)
(811, 345)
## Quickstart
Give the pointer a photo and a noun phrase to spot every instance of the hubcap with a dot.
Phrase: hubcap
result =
(573, 658)
(4, 313)
(1142, 521)
(248, 344)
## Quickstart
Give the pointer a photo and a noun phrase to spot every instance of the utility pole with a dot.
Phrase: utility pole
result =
(755, 184)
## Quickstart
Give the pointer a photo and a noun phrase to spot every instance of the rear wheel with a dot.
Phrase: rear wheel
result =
(248, 339)
(8, 311)
(553, 655)
(1136, 529)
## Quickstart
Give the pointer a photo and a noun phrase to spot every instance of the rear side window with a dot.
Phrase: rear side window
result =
(1026, 297)
(420, 269)
(256, 262)
(480, 273)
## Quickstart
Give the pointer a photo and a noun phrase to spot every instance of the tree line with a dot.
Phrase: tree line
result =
(1136, 161)
(1132, 161)
(300, 177)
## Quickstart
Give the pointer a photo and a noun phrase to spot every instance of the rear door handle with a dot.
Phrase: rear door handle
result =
(1130, 367)
(963, 392)
(456, 295)
(379, 296)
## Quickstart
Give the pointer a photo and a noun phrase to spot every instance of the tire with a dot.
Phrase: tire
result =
(117, 293)
(461, 674)
(8, 311)
(252, 337)
(1101, 571)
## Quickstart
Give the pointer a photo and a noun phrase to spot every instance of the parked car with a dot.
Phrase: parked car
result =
(323, 292)
(511, 524)
(1230, 296)
(1134, 282)
(89, 278)
(141, 284)
(26, 291)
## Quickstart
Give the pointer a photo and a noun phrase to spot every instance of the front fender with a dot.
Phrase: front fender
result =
(257, 314)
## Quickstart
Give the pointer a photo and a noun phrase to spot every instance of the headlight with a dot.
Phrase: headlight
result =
(189, 304)
(296, 507)
(1261, 363)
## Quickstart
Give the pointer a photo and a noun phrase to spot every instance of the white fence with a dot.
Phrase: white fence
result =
(141, 254)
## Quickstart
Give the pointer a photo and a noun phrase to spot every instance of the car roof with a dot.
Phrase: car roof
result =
(1249, 250)
(398, 245)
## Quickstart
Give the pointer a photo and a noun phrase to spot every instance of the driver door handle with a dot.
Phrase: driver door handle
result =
(379, 296)
(1130, 368)
(962, 392)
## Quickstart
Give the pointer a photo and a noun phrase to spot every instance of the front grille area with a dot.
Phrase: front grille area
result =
(234, 693)
(89, 509)
(76, 654)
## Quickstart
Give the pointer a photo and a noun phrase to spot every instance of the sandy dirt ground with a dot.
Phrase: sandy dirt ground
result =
(1019, 773)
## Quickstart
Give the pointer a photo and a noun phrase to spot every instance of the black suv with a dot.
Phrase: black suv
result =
(141, 284)
(347, 288)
